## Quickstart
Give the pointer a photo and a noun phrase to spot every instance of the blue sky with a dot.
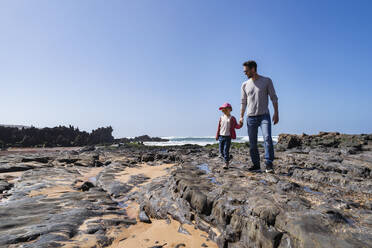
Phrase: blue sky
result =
(163, 67)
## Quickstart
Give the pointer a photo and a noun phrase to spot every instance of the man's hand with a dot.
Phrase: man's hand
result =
(241, 121)
(275, 118)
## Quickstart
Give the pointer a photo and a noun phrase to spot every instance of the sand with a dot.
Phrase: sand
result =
(159, 232)
(149, 171)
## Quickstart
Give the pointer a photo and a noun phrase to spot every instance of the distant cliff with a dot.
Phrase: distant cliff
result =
(49, 137)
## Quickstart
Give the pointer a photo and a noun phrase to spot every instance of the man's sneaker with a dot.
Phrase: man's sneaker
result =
(231, 157)
(269, 168)
(254, 169)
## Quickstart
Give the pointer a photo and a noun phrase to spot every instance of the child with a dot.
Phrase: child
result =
(226, 131)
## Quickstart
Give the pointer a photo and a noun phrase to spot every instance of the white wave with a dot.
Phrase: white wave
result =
(186, 137)
(199, 140)
(178, 143)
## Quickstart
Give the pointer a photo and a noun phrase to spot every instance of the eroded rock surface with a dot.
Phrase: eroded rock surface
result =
(320, 194)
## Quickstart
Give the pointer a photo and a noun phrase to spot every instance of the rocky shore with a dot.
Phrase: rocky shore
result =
(320, 195)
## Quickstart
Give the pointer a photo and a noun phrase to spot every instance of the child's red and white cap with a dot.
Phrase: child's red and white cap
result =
(225, 105)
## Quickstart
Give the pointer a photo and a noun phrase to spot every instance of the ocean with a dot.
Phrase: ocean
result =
(199, 140)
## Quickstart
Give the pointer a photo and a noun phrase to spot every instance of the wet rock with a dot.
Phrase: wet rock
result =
(285, 186)
(31, 215)
(183, 230)
(43, 160)
(138, 179)
(148, 157)
(106, 180)
(68, 160)
(15, 167)
(4, 185)
(143, 217)
(87, 149)
(86, 186)
(180, 245)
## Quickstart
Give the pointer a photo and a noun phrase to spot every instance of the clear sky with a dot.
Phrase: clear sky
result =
(163, 67)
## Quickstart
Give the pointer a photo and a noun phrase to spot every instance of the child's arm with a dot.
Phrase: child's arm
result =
(237, 126)
(218, 129)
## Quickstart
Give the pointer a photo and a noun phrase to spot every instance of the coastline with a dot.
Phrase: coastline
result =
(199, 140)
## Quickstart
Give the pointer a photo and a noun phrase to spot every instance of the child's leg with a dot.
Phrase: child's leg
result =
(221, 141)
(227, 149)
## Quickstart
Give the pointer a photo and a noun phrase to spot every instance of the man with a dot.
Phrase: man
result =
(255, 92)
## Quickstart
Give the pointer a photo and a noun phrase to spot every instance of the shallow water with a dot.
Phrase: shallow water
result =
(93, 180)
(263, 181)
(204, 167)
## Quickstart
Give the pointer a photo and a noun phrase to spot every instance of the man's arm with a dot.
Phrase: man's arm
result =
(274, 100)
(243, 104)
(276, 113)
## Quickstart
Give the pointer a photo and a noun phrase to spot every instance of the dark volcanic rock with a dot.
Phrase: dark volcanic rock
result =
(86, 186)
(323, 139)
(32, 218)
(318, 196)
(36, 159)
(143, 217)
(146, 138)
(15, 167)
(306, 203)
(106, 180)
(140, 139)
(4, 185)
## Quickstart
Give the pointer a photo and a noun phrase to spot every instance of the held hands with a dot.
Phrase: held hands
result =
(275, 118)
(241, 121)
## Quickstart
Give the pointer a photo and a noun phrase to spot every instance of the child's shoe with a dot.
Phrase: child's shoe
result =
(226, 166)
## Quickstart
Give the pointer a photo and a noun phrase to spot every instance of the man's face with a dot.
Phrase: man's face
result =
(249, 72)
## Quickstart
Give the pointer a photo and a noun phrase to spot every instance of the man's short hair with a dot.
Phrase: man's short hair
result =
(250, 64)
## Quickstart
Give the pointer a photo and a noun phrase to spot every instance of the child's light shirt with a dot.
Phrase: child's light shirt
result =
(225, 125)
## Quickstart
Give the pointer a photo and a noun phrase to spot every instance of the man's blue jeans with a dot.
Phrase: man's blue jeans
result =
(263, 121)
(225, 142)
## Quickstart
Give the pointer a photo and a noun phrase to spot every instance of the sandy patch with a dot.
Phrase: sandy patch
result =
(11, 176)
(88, 172)
(159, 233)
(132, 210)
(52, 192)
(147, 170)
